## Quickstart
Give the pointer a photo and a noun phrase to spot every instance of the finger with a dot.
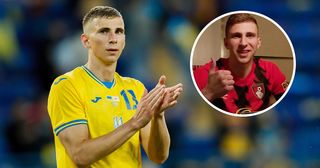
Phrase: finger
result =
(179, 90)
(151, 94)
(213, 66)
(169, 97)
(158, 87)
(145, 95)
(229, 87)
(229, 77)
(175, 87)
(162, 80)
(157, 99)
(156, 92)
(224, 72)
(173, 96)
(228, 82)
(172, 103)
(176, 95)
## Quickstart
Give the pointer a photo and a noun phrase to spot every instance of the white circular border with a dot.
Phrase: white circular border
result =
(293, 55)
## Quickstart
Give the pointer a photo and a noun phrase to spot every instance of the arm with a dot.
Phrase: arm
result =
(155, 136)
(84, 151)
(219, 83)
(156, 139)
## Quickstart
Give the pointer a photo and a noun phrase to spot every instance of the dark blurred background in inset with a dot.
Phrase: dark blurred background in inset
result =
(40, 39)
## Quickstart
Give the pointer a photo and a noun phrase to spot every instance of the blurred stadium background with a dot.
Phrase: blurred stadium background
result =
(39, 39)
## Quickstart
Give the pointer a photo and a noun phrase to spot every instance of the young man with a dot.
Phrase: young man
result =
(100, 118)
(241, 83)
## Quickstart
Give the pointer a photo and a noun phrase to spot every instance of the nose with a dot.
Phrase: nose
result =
(243, 41)
(112, 38)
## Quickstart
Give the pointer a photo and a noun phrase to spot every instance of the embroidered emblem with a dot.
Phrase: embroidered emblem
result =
(258, 90)
(284, 85)
(114, 100)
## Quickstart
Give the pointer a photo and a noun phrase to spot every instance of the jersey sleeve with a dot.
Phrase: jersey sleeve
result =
(201, 75)
(278, 80)
(64, 106)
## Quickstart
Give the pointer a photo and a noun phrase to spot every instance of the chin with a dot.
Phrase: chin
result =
(244, 60)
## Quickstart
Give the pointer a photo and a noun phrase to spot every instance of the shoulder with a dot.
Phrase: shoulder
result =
(271, 70)
(266, 64)
(129, 81)
(67, 80)
(205, 68)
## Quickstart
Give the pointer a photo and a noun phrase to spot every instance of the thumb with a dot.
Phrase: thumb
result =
(162, 80)
(213, 66)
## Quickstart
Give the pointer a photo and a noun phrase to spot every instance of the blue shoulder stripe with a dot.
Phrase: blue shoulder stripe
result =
(69, 124)
(60, 79)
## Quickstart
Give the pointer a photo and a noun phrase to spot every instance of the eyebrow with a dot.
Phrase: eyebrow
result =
(238, 33)
(108, 29)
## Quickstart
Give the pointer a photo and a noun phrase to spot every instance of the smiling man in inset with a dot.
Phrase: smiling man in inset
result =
(241, 83)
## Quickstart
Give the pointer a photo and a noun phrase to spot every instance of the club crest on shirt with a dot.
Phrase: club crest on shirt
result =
(258, 90)
(114, 100)
(284, 85)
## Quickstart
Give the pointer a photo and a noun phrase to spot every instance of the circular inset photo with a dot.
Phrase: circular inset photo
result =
(242, 63)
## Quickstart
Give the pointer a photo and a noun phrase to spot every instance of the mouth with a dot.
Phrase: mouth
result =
(243, 53)
(112, 50)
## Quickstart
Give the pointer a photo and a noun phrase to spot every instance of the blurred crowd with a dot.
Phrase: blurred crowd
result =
(40, 39)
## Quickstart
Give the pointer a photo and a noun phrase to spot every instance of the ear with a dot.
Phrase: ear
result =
(85, 41)
(259, 42)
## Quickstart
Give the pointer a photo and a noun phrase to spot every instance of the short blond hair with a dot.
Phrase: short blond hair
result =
(100, 12)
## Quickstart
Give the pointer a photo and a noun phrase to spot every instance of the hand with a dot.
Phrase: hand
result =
(171, 95)
(220, 82)
(148, 104)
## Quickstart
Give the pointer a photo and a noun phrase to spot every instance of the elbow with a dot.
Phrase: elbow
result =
(159, 158)
(81, 164)
(80, 160)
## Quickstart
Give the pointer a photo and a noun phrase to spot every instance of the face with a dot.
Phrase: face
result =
(105, 38)
(242, 41)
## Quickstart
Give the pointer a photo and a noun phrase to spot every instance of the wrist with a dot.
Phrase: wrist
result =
(134, 124)
(159, 115)
(208, 94)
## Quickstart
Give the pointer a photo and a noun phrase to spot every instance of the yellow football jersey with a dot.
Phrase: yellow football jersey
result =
(79, 97)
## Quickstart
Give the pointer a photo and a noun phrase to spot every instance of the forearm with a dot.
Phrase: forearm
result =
(159, 141)
(209, 95)
(92, 150)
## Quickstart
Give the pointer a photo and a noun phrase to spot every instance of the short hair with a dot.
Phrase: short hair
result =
(239, 18)
(100, 12)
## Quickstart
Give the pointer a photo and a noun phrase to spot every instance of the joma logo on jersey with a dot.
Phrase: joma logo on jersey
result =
(96, 99)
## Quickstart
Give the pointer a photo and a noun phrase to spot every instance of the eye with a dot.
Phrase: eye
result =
(119, 31)
(104, 31)
(236, 35)
(251, 35)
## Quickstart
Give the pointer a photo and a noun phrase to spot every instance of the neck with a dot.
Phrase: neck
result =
(240, 70)
(104, 72)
